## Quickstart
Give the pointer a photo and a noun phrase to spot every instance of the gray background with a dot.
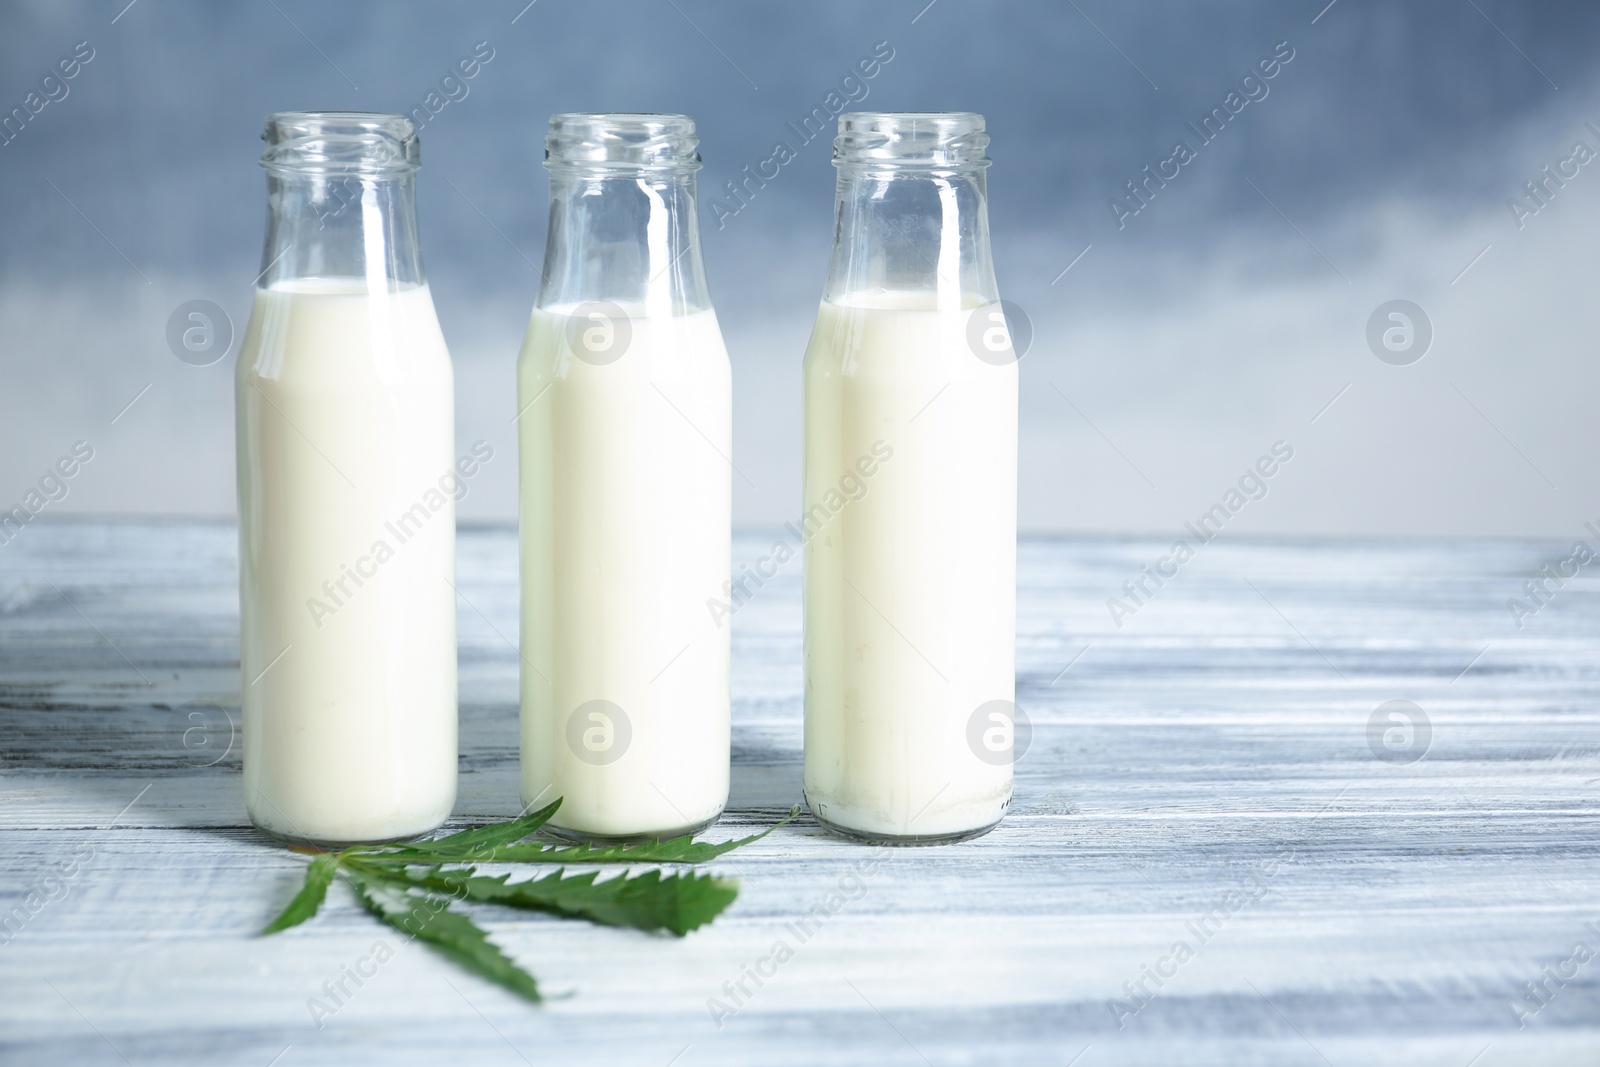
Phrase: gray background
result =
(1224, 317)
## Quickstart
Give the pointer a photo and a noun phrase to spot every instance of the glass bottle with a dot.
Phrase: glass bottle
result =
(347, 489)
(910, 494)
(624, 400)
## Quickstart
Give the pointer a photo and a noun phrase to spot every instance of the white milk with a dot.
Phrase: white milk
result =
(910, 590)
(347, 559)
(626, 510)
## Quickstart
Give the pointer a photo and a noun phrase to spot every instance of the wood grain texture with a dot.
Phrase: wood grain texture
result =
(1216, 744)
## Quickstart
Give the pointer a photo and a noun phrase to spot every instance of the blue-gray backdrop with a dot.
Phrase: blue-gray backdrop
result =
(1177, 335)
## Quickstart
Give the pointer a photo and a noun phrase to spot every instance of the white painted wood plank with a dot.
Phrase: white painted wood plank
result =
(1224, 724)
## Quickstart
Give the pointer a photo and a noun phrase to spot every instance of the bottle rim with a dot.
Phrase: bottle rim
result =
(627, 141)
(370, 144)
(911, 139)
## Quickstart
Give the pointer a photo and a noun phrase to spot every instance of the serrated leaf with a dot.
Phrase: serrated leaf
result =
(312, 893)
(429, 917)
(470, 846)
(411, 887)
(675, 850)
(647, 901)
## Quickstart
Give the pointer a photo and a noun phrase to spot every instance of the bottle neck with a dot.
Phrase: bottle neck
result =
(353, 227)
(913, 237)
(630, 236)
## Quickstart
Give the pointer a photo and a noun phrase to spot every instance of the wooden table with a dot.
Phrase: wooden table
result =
(1206, 774)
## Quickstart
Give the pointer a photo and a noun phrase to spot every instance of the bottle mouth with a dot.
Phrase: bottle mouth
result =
(367, 143)
(929, 139)
(622, 141)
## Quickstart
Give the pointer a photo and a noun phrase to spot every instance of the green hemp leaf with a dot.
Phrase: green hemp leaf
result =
(416, 888)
